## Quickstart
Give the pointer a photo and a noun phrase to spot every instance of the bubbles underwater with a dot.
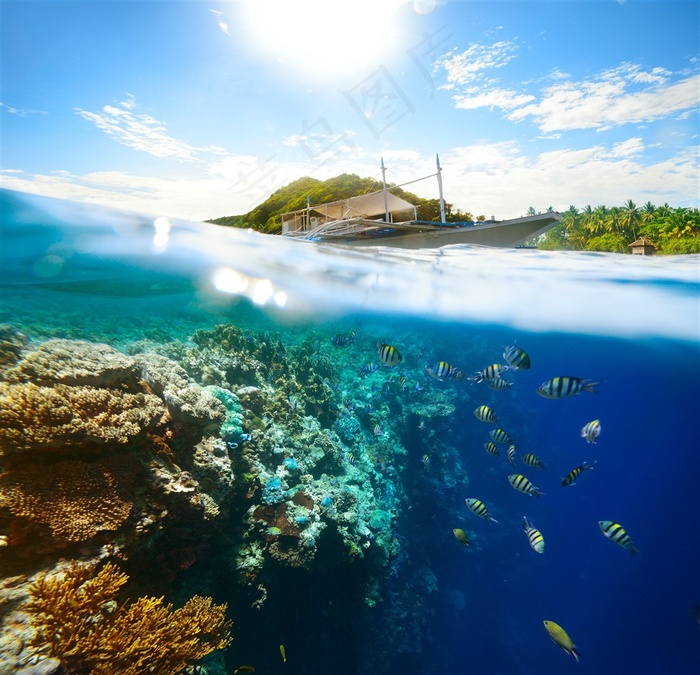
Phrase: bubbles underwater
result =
(421, 602)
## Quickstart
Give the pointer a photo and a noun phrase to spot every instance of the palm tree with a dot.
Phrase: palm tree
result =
(648, 212)
(587, 217)
(630, 217)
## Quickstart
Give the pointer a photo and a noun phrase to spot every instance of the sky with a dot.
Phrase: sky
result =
(203, 109)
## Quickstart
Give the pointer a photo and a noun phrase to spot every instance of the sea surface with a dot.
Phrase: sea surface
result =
(424, 603)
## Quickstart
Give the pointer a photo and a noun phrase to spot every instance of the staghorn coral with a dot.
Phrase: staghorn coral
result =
(76, 619)
(35, 416)
(78, 501)
(74, 362)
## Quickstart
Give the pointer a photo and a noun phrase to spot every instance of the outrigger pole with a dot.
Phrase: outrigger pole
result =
(439, 178)
(386, 201)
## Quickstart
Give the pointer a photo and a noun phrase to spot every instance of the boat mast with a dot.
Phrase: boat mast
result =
(439, 178)
(386, 201)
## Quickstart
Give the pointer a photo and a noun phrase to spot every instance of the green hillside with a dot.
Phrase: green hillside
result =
(292, 197)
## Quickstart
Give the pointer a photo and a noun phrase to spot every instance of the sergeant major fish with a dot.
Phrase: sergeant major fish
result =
(388, 355)
(532, 460)
(492, 372)
(484, 414)
(516, 358)
(522, 484)
(500, 436)
(442, 371)
(534, 536)
(566, 385)
(511, 454)
(477, 507)
(491, 448)
(573, 475)
(499, 383)
(615, 532)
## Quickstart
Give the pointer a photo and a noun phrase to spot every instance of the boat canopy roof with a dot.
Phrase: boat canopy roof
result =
(361, 206)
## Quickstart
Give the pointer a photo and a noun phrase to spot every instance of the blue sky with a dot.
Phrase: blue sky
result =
(203, 109)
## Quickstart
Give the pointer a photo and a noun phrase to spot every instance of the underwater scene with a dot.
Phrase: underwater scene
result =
(227, 452)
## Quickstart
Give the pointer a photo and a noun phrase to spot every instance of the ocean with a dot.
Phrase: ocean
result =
(294, 456)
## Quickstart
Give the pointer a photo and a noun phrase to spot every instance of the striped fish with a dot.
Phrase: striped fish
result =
(388, 355)
(499, 383)
(500, 436)
(522, 484)
(477, 507)
(618, 534)
(484, 414)
(534, 536)
(591, 431)
(442, 371)
(491, 448)
(511, 454)
(516, 358)
(566, 385)
(531, 460)
(492, 372)
(573, 475)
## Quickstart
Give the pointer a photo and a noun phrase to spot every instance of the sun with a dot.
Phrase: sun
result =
(321, 39)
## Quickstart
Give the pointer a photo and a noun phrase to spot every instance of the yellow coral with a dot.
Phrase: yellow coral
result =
(79, 501)
(33, 416)
(76, 620)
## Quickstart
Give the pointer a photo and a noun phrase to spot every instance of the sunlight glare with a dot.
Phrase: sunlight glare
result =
(324, 39)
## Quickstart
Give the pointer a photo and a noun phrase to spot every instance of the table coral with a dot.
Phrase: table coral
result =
(34, 416)
(77, 620)
(75, 362)
(78, 501)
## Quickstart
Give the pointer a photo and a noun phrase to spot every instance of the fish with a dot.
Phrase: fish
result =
(492, 372)
(566, 385)
(591, 431)
(522, 484)
(484, 414)
(573, 475)
(417, 387)
(283, 654)
(477, 507)
(500, 436)
(244, 669)
(377, 431)
(402, 382)
(368, 369)
(531, 460)
(293, 402)
(491, 448)
(340, 340)
(615, 532)
(560, 637)
(388, 355)
(499, 383)
(511, 454)
(426, 461)
(442, 371)
(461, 536)
(274, 531)
(516, 358)
(534, 536)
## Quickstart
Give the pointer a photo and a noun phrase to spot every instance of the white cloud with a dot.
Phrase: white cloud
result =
(611, 99)
(507, 99)
(220, 21)
(468, 66)
(143, 132)
(21, 112)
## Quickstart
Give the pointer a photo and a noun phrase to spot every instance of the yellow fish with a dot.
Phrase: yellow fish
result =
(559, 635)
(244, 669)
(461, 536)
(283, 653)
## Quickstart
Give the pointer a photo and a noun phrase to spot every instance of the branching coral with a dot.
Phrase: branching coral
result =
(77, 620)
(34, 416)
(75, 499)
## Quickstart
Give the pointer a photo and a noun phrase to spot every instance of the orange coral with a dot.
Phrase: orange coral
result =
(75, 499)
(76, 620)
(33, 416)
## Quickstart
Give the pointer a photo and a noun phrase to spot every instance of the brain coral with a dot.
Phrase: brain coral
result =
(78, 501)
(76, 362)
(34, 416)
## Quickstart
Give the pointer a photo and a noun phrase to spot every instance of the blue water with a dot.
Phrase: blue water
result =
(632, 324)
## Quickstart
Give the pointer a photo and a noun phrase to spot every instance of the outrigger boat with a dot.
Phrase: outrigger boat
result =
(354, 222)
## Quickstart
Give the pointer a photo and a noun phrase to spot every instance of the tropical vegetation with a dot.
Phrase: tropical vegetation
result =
(670, 230)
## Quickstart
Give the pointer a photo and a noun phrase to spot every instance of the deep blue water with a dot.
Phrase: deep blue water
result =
(632, 325)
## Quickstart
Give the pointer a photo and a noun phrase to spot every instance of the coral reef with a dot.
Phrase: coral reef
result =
(77, 619)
